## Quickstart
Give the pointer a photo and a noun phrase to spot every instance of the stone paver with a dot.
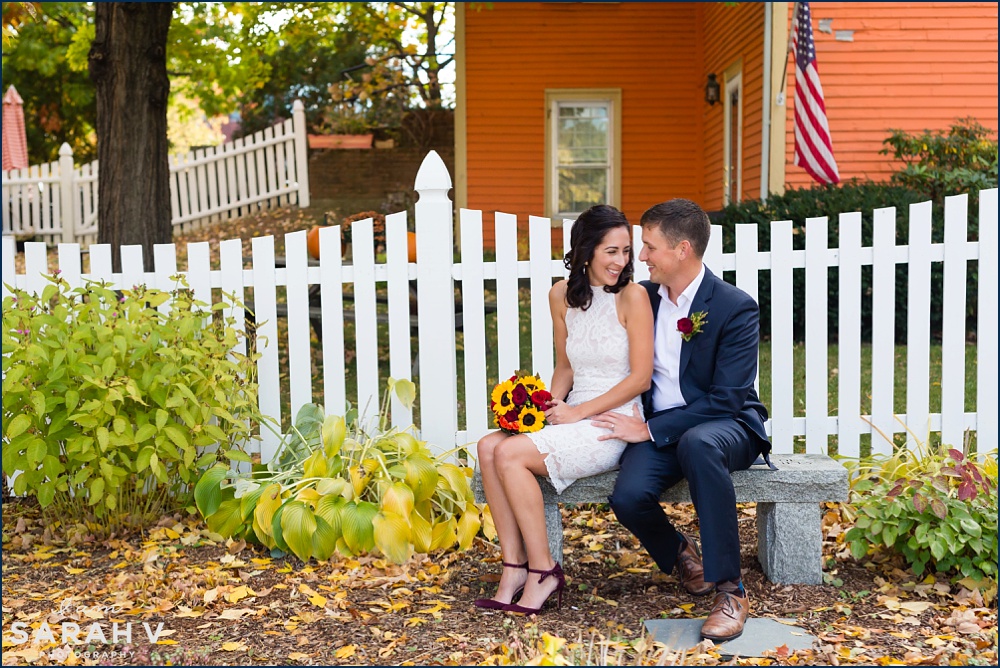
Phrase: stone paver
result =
(759, 635)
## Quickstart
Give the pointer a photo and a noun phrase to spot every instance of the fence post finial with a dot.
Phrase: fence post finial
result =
(436, 305)
(301, 152)
(433, 180)
(67, 192)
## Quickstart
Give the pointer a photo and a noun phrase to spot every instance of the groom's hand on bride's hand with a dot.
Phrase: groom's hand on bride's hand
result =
(628, 428)
(559, 412)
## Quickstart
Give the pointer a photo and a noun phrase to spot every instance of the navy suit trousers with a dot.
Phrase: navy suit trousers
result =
(705, 455)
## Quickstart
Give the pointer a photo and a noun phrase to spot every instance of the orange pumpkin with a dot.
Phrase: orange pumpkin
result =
(312, 241)
(411, 246)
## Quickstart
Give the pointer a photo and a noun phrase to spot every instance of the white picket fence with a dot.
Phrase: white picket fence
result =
(57, 202)
(436, 275)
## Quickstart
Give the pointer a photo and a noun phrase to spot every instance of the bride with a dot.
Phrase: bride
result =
(603, 329)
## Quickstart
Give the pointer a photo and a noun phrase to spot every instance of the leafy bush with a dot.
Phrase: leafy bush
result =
(111, 405)
(935, 508)
(937, 164)
(336, 484)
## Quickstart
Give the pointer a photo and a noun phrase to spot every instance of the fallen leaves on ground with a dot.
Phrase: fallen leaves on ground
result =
(211, 601)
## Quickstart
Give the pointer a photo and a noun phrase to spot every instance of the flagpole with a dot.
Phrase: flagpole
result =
(784, 71)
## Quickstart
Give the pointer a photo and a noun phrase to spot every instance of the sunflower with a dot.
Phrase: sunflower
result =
(501, 394)
(531, 419)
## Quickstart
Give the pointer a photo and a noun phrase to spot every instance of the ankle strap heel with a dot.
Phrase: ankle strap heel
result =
(555, 572)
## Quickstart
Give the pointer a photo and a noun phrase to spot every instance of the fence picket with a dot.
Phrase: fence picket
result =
(201, 177)
(199, 271)
(817, 337)
(255, 167)
(746, 269)
(299, 346)
(69, 265)
(165, 263)
(265, 316)
(240, 159)
(35, 266)
(953, 320)
(398, 297)
(713, 254)
(986, 332)
(132, 272)
(269, 150)
(474, 327)
(540, 270)
(849, 424)
(231, 275)
(782, 406)
(641, 271)
(918, 325)
(365, 319)
(332, 303)
(508, 325)
(883, 329)
(282, 132)
(100, 262)
(212, 177)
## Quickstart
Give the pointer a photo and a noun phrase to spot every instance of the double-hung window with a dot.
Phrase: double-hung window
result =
(582, 151)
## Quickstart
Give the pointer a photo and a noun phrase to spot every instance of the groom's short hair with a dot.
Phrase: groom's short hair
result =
(680, 219)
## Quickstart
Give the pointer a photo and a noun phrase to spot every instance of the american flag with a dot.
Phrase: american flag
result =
(813, 148)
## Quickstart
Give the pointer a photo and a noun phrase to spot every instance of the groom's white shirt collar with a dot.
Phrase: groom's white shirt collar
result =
(666, 383)
(687, 296)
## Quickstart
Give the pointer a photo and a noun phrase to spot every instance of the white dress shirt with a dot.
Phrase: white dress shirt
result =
(667, 346)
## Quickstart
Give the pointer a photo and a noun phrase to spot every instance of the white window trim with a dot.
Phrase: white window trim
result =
(733, 82)
(610, 96)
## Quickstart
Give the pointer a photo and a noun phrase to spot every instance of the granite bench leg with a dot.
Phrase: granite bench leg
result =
(554, 528)
(790, 542)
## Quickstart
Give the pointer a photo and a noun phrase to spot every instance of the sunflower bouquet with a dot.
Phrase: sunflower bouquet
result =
(519, 403)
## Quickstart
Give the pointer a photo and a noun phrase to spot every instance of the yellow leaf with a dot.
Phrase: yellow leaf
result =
(166, 641)
(298, 656)
(75, 571)
(345, 652)
(916, 607)
(233, 647)
(687, 607)
(241, 592)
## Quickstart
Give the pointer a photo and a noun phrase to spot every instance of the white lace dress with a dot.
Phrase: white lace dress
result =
(597, 347)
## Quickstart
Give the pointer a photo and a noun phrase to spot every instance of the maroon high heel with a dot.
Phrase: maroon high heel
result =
(556, 572)
(493, 604)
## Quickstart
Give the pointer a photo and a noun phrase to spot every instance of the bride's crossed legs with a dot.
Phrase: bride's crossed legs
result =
(508, 465)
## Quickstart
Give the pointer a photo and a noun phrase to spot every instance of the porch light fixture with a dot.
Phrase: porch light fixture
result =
(712, 90)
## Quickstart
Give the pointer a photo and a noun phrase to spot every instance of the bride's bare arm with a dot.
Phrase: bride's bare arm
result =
(562, 375)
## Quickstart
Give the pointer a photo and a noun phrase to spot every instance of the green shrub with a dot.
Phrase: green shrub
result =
(938, 509)
(113, 408)
(937, 164)
(336, 484)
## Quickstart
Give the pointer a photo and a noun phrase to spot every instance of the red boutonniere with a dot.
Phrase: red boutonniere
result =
(692, 325)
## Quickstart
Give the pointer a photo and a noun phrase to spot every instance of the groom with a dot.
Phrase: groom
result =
(703, 417)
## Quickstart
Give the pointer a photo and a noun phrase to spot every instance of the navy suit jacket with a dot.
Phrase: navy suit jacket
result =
(717, 367)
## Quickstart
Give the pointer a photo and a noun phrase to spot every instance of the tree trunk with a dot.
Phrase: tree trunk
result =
(128, 65)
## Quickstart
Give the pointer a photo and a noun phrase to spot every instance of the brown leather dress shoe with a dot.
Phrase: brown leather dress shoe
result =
(691, 571)
(729, 615)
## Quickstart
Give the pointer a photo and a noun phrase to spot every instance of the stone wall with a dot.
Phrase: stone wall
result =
(383, 174)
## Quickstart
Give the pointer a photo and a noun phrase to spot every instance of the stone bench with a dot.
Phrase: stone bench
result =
(789, 535)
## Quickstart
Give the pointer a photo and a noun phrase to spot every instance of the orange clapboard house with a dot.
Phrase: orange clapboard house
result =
(562, 105)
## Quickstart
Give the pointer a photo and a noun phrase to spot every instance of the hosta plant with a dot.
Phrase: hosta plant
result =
(936, 508)
(338, 484)
(114, 403)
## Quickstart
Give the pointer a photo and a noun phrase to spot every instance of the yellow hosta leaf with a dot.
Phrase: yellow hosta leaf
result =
(358, 479)
(443, 534)
(334, 431)
(421, 476)
(420, 533)
(398, 499)
(392, 536)
(315, 465)
(489, 528)
(268, 504)
(332, 487)
(345, 652)
(468, 527)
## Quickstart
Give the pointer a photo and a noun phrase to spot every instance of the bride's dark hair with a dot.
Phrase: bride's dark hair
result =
(588, 231)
